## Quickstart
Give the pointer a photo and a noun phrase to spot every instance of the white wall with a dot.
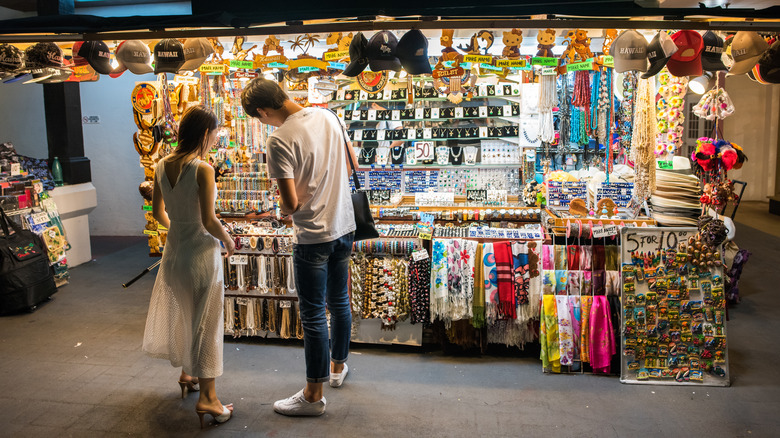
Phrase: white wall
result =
(754, 126)
(22, 120)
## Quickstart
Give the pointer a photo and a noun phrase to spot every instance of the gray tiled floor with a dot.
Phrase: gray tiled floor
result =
(74, 368)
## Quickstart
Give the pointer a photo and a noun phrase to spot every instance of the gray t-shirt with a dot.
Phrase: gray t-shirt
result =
(309, 148)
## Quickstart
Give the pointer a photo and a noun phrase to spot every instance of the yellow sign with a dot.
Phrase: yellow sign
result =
(510, 63)
(332, 56)
(150, 232)
(480, 59)
(213, 68)
(307, 62)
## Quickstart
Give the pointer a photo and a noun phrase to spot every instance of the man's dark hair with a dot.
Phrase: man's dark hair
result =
(262, 93)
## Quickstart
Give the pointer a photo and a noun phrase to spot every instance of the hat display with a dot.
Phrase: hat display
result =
(135, 56)
(713, 51)
(629, 51)
(412, 51)
(41, 74)
(357, 55)
(687, 60)
(659, 51)
(97, 54)
(168, 56)
(196, 50)
(381, 52)
(77, 59)
(43, 55)
(767, 70)
(746, 48)
(11, 58)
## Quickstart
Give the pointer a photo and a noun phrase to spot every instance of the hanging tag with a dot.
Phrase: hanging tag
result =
(340, 113)
(435, 113)
(285, 304)
(483, 111)
(395, 115)
(40, 218)
(459, 113)
(340, 94)
(16, 169)
(499, 90)
(507, 110)
(482, 90)
(238, 259)
(363, 95)
(371, 114)
(420, 254)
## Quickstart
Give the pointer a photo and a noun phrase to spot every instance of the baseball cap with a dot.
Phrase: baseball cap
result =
(660, 49)
(11, 58)
(135, 56)
(43, 55)
(97, 54)
(58, 75)
(687, 60)
(40, 74)
(357, 55)
(629, 51)
(168, 56)
(412, 51)
(746, 48)
(768, 66)
(196, 50)
(78, 60)
(713, 50)
(381, 52)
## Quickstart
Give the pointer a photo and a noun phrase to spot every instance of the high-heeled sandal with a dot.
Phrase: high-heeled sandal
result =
(188, 387)
(226, 415)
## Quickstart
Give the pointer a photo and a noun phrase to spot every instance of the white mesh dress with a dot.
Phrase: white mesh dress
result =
(185, 321)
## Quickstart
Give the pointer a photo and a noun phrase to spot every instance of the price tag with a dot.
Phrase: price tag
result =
(665, 164)
(150, 232)
(435, 113)
(482, 90)
(340, 94)
(363, 95)
(40, 218)
(483, 132)
(549, 62)
(355, 115)
(499, 90)
(459, 113)
(147, 208)
(371, 114)
(16, 169)
(483, 111)
(507, 110)
(549, 71)
(387, 94)
(358, 135)
(604, 231)
(411, 134)
(427, 133)
(420, 254)
(380, 134)
(239, 259)
(285, 304)
(395, 115)
(418, 113)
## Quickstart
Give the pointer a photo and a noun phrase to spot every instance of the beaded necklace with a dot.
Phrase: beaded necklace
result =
(594, 100)
(563, 113)
(627, 109)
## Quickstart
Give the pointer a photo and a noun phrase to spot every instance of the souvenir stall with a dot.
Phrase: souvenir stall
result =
(504, 168)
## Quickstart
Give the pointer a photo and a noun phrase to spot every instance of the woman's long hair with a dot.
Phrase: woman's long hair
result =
(196, 123)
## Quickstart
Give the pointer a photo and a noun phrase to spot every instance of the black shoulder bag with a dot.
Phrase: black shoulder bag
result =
(364, 222)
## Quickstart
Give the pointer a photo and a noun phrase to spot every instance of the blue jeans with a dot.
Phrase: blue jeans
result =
(321, 275)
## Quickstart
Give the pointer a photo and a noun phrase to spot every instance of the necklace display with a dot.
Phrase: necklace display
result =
(627, 109)
(643, 139)
(397, 154)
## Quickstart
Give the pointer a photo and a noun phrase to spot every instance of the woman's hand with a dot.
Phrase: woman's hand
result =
(230, 247)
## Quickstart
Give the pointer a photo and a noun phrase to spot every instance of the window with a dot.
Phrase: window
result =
(693, 122)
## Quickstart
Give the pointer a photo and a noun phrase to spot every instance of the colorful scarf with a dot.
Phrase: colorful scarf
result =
(521, 272)
(560, 257)
(548, 263)
(573, 257)
(458, 283)
(478, 303)
(612, 283)
(573, 284)
(467, 259)
(587, 303)
(602, 341)
(548, 282)
(490, 281)
(576, 321)
(506, 280)
(586, 287)
(548, 335)
(586, 258)
(561, 279)
(598, 282)
(599, 257)
(611, 258)
(439, 287)
(565, 340)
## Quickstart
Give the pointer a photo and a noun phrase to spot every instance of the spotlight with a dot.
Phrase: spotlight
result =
(699, 85)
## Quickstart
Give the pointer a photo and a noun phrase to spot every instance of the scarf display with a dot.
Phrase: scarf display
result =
(478, 306)
(506, 280)
(587, 304)
(490, 280)
(467, 257)
(521, 272)
(576, 324)
(602, 340)
(439, 276)
(548, 335)
(565, 339)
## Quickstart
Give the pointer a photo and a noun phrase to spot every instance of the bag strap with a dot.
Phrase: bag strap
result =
(5, 221)
(346, 149)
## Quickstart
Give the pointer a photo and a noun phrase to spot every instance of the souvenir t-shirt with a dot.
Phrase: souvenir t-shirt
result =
(309, 148)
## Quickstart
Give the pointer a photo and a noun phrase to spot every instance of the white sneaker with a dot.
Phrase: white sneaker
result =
(336, 379)
(298, 406)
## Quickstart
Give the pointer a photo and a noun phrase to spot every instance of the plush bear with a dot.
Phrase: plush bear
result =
(546, 40)
(512, 40)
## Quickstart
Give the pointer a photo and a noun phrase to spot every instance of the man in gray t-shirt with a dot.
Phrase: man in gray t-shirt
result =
(307, 155)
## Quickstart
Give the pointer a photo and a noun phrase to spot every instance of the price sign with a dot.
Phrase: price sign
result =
(477, 196)
(16, 169)
(40, 218)
(665, 164)
(600, 231)
(420, 254)
(239, 259)
(285, 304)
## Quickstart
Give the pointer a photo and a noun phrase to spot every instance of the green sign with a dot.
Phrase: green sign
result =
(666, 164)
(609, 61)
(490, 67)
(147, 208)
(277, 65)
(306, 69)
(578, 66)
(241, 64)
(337, 65)
(550, 62)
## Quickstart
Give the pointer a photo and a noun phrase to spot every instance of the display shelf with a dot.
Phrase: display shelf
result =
(426, 93)
(402, 167)
(431, 114)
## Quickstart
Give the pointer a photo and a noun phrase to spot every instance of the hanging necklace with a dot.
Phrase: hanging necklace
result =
(369, 154)
(454, 155)
(400, 153)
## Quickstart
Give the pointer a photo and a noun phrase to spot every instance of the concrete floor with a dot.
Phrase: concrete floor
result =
(75, 368)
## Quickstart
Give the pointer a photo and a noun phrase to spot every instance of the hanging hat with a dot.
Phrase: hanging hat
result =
(629, 51)
(659, 51)
(687, 60)
(768, 65)
(196, 50)
(97, 55)
(357, 55)
(713, 51)
(746, 49)
(381, 52)
(168, 56)
(412, 51)
(43, 55)
(11, 58)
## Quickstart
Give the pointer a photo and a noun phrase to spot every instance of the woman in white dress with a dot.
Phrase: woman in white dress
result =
(185, 320)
